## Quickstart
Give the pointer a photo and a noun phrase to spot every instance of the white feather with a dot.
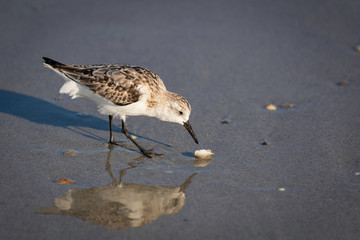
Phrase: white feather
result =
(71, 88)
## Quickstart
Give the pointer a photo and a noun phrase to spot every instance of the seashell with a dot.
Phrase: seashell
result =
(203, 153)
(271, 107)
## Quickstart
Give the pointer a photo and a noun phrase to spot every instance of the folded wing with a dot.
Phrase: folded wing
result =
(119, 84)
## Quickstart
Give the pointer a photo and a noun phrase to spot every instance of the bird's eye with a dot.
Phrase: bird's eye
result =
(181, 113)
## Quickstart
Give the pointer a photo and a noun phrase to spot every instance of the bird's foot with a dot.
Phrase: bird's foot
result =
(117, 143)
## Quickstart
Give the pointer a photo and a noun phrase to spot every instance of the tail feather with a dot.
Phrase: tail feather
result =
(52, 63)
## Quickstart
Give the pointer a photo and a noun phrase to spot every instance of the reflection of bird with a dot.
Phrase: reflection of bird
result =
(122, 91)
(120, 204)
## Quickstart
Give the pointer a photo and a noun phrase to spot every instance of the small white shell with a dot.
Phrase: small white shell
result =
(203, 153)
(271, 107)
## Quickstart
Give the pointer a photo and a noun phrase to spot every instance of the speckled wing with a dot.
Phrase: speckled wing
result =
(119, 84)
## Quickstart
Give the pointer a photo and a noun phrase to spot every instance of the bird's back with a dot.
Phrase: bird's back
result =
(120, 84)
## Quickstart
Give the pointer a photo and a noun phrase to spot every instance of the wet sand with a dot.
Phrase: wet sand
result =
(288, 173)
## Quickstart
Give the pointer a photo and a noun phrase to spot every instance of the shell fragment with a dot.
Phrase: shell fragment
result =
(203, 153)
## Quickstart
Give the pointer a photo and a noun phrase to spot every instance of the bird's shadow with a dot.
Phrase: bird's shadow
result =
(44, 112)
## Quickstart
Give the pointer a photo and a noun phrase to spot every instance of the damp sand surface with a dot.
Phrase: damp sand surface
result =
(230, 61)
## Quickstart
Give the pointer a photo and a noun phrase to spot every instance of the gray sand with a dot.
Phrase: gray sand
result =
(229, 59)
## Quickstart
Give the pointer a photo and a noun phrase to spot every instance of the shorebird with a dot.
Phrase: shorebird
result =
(122, 90)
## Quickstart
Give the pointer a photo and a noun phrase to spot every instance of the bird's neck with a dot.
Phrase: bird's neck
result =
(163, 103)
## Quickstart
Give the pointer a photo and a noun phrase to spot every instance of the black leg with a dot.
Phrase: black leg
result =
(111, 129)
(145, 152)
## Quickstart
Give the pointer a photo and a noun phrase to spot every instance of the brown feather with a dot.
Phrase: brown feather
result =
(117, 83)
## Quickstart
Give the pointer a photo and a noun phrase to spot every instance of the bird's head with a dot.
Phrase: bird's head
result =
(177, 109)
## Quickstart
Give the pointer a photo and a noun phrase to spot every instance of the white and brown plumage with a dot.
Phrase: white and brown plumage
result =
(121, 91)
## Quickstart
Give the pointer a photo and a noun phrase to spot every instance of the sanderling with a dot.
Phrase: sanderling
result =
(121, 90)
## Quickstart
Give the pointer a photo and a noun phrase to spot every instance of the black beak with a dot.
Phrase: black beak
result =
(189, 129)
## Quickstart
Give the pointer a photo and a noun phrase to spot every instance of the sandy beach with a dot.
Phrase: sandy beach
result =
(291, 171)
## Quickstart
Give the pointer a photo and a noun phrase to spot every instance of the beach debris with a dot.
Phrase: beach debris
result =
(226, 120)
(341, 83)
(357, 48)
(271, 107)
(169, 171)
(64, 181)
(71, 153)
(287, 106)
(357, 173)
(265, 143)
(281, 189)
(203, 153)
